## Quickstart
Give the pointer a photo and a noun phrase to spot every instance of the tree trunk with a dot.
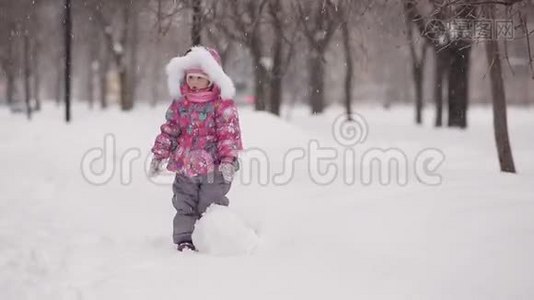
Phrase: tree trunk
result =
(440, 72)
(276, 75)
(125, 99)
(316, 84)
(36, 77)
(458, 86)
(27, 74)
(500, 123)
(154, 88)
(59, 78)
(89, 84)
(68, 66)
(133, 68)
(103, 69)
(260, 76)
(348, 69)
(275, 94)
(93, 67)
(9, 68)
(418, 67)
(120, 58)
(10, 87)
(103, 83)
(418, 79)
(196, 28)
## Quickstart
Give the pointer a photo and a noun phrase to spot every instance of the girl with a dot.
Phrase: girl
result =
(200, 139)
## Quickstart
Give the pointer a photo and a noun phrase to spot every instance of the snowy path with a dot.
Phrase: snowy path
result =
(64, 238)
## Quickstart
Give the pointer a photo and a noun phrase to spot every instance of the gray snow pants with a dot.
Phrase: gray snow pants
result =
(192, 195)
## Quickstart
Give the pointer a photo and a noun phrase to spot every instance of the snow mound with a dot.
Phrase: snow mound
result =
(222, 232)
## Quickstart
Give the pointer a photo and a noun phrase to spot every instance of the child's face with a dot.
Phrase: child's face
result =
(197, 82)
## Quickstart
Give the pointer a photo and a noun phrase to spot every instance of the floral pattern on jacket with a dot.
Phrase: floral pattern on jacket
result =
(198, 136)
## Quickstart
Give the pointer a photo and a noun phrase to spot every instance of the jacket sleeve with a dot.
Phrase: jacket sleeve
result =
(228, 131)
(166, 141)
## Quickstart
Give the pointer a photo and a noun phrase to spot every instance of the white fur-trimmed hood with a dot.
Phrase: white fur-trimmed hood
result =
(198, 57)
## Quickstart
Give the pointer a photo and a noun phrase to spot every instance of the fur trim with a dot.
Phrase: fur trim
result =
(198, 57)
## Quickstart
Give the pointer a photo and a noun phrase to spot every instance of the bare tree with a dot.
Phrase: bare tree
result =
(103, 69)
(27, 72)
(117, 37)
(26, 26)
(283, 46)
(500, 122)
(441, 70)
(17, 31)
(68, 46)
(458, 87)
(418, 66)
(36, 70)
(318, 22)
(241, 21)
(220, 42)
(38, 33)
(8, 55)
(450, 47)
(350, 13)
(196, 27)
(165, 12)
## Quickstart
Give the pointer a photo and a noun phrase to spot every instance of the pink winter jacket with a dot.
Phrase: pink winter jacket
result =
(199, 134)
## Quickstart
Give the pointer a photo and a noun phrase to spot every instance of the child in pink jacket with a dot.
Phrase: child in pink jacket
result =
(200, 139)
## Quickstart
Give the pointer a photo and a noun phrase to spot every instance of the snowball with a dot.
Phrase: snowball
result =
(220, 231)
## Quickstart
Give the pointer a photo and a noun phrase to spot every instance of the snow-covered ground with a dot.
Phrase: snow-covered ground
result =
(67, 232)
